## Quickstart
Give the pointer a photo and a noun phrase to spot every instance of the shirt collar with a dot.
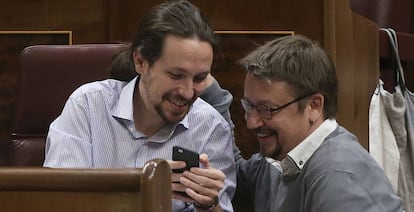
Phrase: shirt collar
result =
(274, 163)
(298, 156)
(124, 107)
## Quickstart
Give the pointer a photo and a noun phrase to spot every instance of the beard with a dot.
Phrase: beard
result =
(272, 152)
(270, 148)
(171, 116)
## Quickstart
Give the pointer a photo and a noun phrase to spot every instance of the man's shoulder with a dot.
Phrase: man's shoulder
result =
(340, 151)
(342, 144)
(103, 87)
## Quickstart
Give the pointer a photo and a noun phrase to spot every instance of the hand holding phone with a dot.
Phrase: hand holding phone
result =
(181, 154)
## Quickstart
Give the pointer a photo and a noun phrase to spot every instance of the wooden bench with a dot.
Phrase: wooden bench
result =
(39, 189)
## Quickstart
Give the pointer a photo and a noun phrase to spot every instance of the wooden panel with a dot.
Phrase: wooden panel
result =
(124, 17)
(339, 43)
(230, 15)
(11, 44)
(366, 54)
(70, 201)
(352, 42)
(86, 18)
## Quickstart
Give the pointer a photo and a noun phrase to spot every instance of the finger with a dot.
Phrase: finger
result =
(211, 173)
(178, 187)
(182, 197)
(176, 164)
(204, 161)
(202, 185)
(210, 189)
(179, 192)
(193, 180)
(175, 177)
(202, 189)
(189, 180)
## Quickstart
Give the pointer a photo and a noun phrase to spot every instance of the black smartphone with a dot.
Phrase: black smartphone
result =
(181, 154)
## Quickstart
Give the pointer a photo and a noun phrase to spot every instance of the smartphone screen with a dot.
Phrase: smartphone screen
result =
(181, 154)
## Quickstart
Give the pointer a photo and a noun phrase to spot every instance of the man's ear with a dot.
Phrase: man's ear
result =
(316, 107)
(140, 63)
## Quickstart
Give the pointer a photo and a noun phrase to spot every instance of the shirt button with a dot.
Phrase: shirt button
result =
(301, 163)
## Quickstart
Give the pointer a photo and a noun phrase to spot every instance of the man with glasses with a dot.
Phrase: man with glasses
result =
(307, 162)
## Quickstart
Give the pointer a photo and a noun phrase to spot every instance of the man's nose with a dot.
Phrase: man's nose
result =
(187, 89)
(253, 119)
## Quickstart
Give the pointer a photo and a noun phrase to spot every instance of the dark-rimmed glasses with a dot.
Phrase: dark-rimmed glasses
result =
(266, 112)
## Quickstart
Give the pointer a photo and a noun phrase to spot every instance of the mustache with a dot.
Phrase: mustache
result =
(264, 130)
(180, 98)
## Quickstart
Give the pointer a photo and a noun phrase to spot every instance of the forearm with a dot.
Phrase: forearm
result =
(220, 152)
(219, 98)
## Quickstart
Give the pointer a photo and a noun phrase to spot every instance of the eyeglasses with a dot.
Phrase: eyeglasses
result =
(266, 112)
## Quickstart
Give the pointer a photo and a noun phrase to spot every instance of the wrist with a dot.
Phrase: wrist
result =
(205, 208)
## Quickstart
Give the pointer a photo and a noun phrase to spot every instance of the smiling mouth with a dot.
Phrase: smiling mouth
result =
(178, 102)
(264, 134)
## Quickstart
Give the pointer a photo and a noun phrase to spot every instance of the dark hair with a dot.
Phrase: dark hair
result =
(180, 18)
(122, 67)
(302, 63)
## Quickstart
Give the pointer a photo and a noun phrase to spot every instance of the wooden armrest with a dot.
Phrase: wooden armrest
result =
(48, 189)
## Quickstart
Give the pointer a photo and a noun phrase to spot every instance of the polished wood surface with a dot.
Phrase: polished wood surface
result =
(45, 189)
(352, 42)
(87, 19)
